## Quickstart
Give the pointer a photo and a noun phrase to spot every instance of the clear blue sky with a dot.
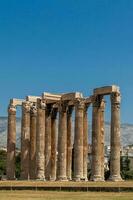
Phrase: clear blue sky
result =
(61, 46)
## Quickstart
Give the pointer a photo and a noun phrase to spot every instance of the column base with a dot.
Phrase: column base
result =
(62, 179)
(69, 179)
(84, 179)
(40, 179)
(97, 179)
(52, 179)
(115, 178)
(78, 179)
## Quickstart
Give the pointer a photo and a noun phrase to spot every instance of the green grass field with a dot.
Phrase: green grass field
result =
(43, 195)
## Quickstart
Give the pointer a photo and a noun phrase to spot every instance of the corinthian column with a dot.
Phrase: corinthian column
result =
(96, 139)
(62, 143)
(69, 142)
(40, 140)
(48, 143)
(11, 143)
(102, 108)
(85, 142)
(25, 140)
(78, 141)
(33, 115)
(115, 138)
(53, 143)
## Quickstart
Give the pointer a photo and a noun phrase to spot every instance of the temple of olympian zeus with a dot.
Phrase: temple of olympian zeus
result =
(44, 156)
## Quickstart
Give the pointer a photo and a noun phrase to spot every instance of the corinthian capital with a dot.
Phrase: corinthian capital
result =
(115, 98)
(98, 101)
(33, 110)
(26, 106)
(11, 109)
(41, 104)
(79, 104)
(63, 106)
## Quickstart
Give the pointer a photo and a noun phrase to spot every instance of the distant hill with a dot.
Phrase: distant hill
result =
(3, 131)
(126, 133)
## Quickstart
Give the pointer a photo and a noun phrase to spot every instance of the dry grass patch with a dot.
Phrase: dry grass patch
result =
(57, 183)
(37, 195)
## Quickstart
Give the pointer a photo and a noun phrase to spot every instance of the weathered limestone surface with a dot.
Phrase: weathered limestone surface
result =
(40, 140)
(96, 140)
(106, 90)
(69, 142)
(25, 140)
(11, 142)
(53, 143)
(32, 99)
(51, 98)
(85, 142)
(115, 138)
(78, 141)
(33, 116)
(102, 108)
(39, 134)
(62, 144)
(16, 102)
(71, 96)
(48, 143)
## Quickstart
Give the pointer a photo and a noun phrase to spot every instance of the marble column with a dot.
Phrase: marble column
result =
(69, 142)
(40, 140)
(53, 143)
(102, 108)
(115, 138)
(78, 141)
(48, 143)
(33, 116)
(25, 140)
(85, 142)
(11, 143)
(62, 143)
(96, 140)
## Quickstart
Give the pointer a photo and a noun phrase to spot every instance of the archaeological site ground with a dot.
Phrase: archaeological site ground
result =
(53, 158)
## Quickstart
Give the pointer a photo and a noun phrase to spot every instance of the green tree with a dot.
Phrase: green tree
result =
(3, 155)
(18, 168)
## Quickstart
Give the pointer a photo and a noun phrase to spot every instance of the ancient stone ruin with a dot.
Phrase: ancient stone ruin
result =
(44, 156)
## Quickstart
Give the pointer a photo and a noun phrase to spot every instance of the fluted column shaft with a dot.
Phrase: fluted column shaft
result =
(102, 108)
(115, 138)
(69, 142)
(62, 143)
(53, 143)
(11, 143)
(40, 140)
(48, 143)
(78, 141)
(96, 140)
(85, 142)
(25, 140)
(33, 116)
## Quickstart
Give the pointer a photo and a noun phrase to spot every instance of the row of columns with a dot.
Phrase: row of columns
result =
(39, 159)
(38, 141)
